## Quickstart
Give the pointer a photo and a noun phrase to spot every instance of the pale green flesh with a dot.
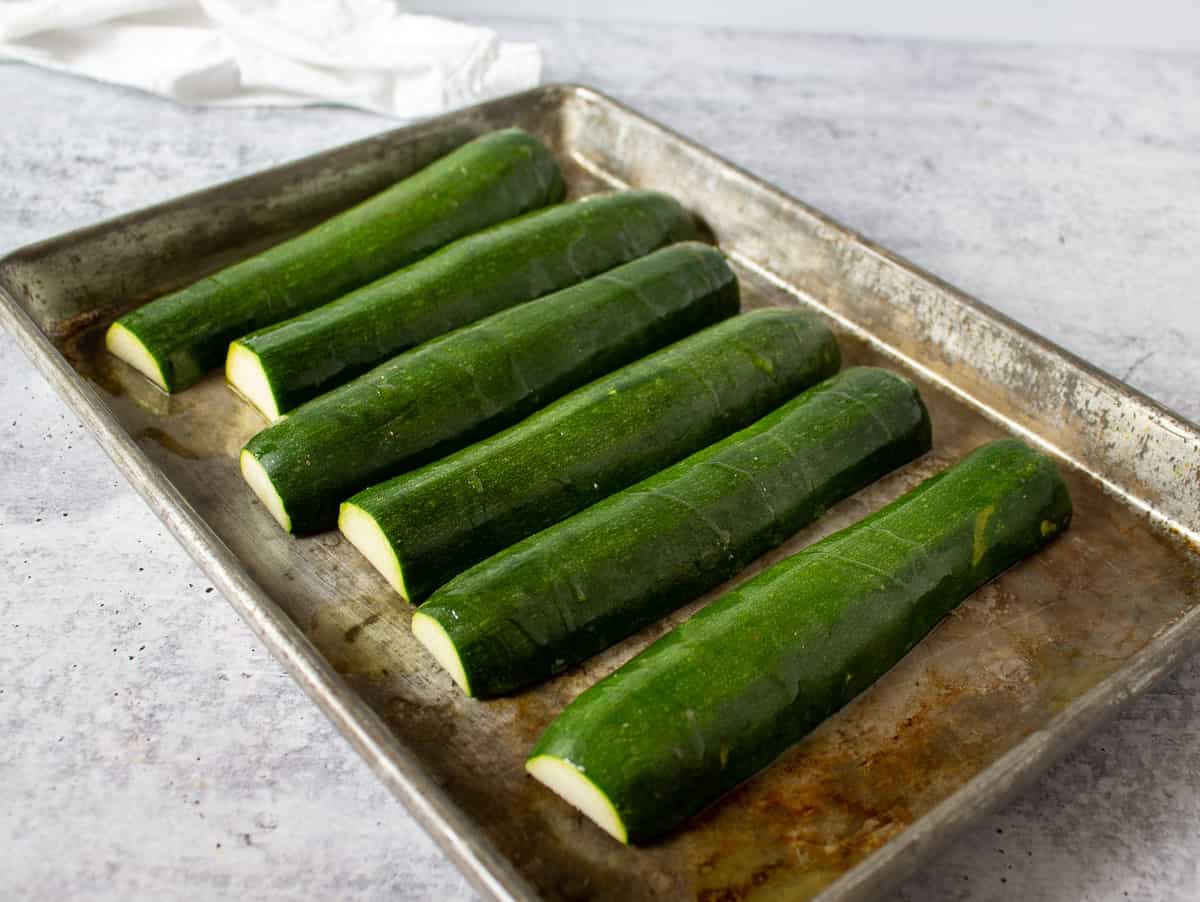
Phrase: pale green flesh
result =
(567, 781)
(438, 643)
(245, 374)
(123, 344)
(258, 480)
(361, 530)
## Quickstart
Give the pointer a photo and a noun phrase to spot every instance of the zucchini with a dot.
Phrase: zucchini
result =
(568, 592)
(716, 699)
(176, 339)
(286, 364)
(422, 528)
(494, 373)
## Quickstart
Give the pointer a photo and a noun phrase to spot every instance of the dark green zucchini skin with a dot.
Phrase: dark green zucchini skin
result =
(718, 698)
(465, 281)
(566, 593)
(493, 178)
(471, 383)
(597, 440)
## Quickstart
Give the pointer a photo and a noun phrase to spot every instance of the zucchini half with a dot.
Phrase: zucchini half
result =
(715, 700)
(285, 364)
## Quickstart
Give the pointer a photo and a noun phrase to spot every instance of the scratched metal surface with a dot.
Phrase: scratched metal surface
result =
(1020, 671)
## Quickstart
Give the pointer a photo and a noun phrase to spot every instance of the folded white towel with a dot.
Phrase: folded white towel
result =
(362, 53)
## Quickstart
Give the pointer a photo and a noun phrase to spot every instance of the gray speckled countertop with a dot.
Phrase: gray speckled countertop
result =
(151, 749)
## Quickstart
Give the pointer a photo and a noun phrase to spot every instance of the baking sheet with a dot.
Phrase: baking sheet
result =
(1012, 679)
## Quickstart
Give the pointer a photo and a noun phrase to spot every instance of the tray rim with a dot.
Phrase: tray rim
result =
(402, 772)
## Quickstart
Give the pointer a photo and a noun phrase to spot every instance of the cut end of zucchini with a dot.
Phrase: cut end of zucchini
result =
(122, 343)
(361, 530)
(568, 781)
(244, 372)
(438, 643)
(257, 478)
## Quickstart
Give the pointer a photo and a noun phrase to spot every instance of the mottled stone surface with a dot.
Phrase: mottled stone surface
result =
(152, 749)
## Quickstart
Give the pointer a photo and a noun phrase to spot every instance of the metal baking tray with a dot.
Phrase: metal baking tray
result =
(1014, 678)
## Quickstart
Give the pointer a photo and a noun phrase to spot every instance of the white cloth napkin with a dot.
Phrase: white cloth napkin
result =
(362, 53)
